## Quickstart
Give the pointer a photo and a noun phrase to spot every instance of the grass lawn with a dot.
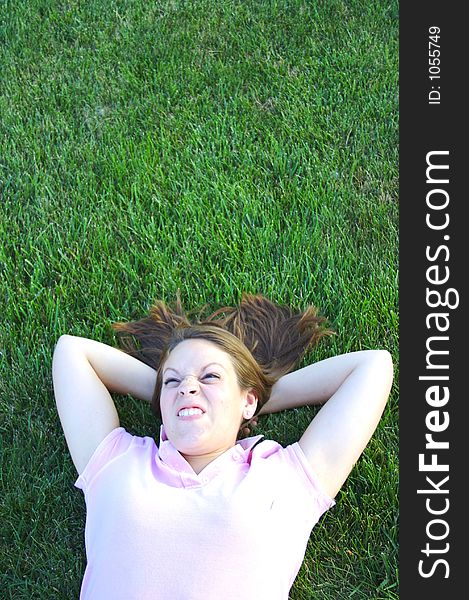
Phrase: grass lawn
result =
(210, 147)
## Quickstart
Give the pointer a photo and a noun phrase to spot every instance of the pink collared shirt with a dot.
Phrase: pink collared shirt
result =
(155, 530)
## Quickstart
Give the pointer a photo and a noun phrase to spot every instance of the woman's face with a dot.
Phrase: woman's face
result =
(202, 405)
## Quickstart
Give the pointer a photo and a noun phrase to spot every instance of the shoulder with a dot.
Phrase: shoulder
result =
(290, 467)
(118, 444)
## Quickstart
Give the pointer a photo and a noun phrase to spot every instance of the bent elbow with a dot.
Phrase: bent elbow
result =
(386, 357)
(386, 366)
(65, 346)
(63, 340)
(66, 340)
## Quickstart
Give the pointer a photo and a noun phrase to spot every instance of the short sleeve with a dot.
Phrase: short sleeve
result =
(321, 498)
(114, 444)
(300, 480)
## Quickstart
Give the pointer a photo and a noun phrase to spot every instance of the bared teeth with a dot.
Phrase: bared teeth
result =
(188, 412)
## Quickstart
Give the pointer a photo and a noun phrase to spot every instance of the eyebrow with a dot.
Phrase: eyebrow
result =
(203, 368)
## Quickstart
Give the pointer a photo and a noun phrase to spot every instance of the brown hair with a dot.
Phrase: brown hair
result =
(263, 339)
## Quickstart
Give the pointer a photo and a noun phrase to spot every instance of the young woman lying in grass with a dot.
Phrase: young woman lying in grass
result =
(208, 513)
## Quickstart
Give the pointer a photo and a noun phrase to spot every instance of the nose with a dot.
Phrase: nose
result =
(189, 386)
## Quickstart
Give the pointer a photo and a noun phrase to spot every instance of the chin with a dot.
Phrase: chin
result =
(195, 443)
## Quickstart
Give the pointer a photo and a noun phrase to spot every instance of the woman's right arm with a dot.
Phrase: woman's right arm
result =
(84, 373)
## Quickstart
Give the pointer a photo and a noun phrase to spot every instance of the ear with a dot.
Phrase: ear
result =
(250, 405)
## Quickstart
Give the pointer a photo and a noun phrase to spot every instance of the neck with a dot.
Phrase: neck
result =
(200, 461)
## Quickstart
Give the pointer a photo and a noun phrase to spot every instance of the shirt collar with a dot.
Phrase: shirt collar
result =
(172, 457)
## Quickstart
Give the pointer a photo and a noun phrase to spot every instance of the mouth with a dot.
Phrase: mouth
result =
(190, 411)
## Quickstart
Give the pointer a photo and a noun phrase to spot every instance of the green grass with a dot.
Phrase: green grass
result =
(211, 147)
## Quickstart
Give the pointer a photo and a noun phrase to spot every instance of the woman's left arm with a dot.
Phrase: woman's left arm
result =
(355, 387)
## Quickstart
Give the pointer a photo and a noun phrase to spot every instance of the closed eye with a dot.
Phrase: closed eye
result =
(171, 380)
(211, 376)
